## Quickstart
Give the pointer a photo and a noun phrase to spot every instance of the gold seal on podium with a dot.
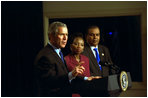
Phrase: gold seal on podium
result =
(123, 81)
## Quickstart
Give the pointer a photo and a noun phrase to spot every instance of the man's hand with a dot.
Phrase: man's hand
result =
(93, 77)
(78, 69)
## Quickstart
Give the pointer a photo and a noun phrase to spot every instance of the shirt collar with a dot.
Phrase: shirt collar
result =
(92, 47)
(55, 48)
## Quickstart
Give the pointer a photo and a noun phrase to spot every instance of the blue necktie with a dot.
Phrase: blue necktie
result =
(97, 57)
(61, 54)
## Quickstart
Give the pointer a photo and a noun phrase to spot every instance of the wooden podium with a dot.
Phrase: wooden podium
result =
(107, 86)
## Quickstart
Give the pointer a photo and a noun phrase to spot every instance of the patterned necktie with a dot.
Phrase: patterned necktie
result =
(61, 54)
(97, 57)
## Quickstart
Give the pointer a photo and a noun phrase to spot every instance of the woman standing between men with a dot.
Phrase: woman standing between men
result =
(72, 59)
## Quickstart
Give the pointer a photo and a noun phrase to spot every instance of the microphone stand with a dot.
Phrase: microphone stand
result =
(111, 66)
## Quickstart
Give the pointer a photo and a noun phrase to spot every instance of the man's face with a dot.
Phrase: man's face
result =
(60, 39)
(93, 36)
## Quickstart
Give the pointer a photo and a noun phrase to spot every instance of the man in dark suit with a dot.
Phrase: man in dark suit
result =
(93, 39)
(99, 59)
(51, 74)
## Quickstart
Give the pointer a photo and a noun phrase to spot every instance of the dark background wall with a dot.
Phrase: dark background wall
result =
(21, 39)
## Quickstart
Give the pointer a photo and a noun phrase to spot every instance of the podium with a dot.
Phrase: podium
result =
(104, 87)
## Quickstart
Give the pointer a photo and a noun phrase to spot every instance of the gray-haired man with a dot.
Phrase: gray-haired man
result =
(51, 71)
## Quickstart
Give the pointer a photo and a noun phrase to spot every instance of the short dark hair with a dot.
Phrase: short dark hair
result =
(91, 27)
(74, 35)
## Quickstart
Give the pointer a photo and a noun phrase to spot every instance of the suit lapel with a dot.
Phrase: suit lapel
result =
(57, 58)
(101, 53)
(92, 57)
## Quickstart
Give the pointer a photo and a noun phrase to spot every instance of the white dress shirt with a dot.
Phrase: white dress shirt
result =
(92, 49)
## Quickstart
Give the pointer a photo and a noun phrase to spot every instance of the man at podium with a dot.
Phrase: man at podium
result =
(100, 64)
(98, 54)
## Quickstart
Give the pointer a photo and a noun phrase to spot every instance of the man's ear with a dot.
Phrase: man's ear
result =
(50, 36)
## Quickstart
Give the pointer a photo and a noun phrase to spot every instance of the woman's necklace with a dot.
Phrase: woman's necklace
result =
(77, 59)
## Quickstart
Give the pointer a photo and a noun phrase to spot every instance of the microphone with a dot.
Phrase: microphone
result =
(108, 64)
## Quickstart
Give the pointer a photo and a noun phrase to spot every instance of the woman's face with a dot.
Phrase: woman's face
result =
(77, 46)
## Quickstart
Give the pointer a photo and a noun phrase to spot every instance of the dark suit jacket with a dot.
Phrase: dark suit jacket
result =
(104, 57)
(51, 74)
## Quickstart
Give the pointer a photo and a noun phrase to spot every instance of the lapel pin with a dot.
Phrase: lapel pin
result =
(102, 54)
